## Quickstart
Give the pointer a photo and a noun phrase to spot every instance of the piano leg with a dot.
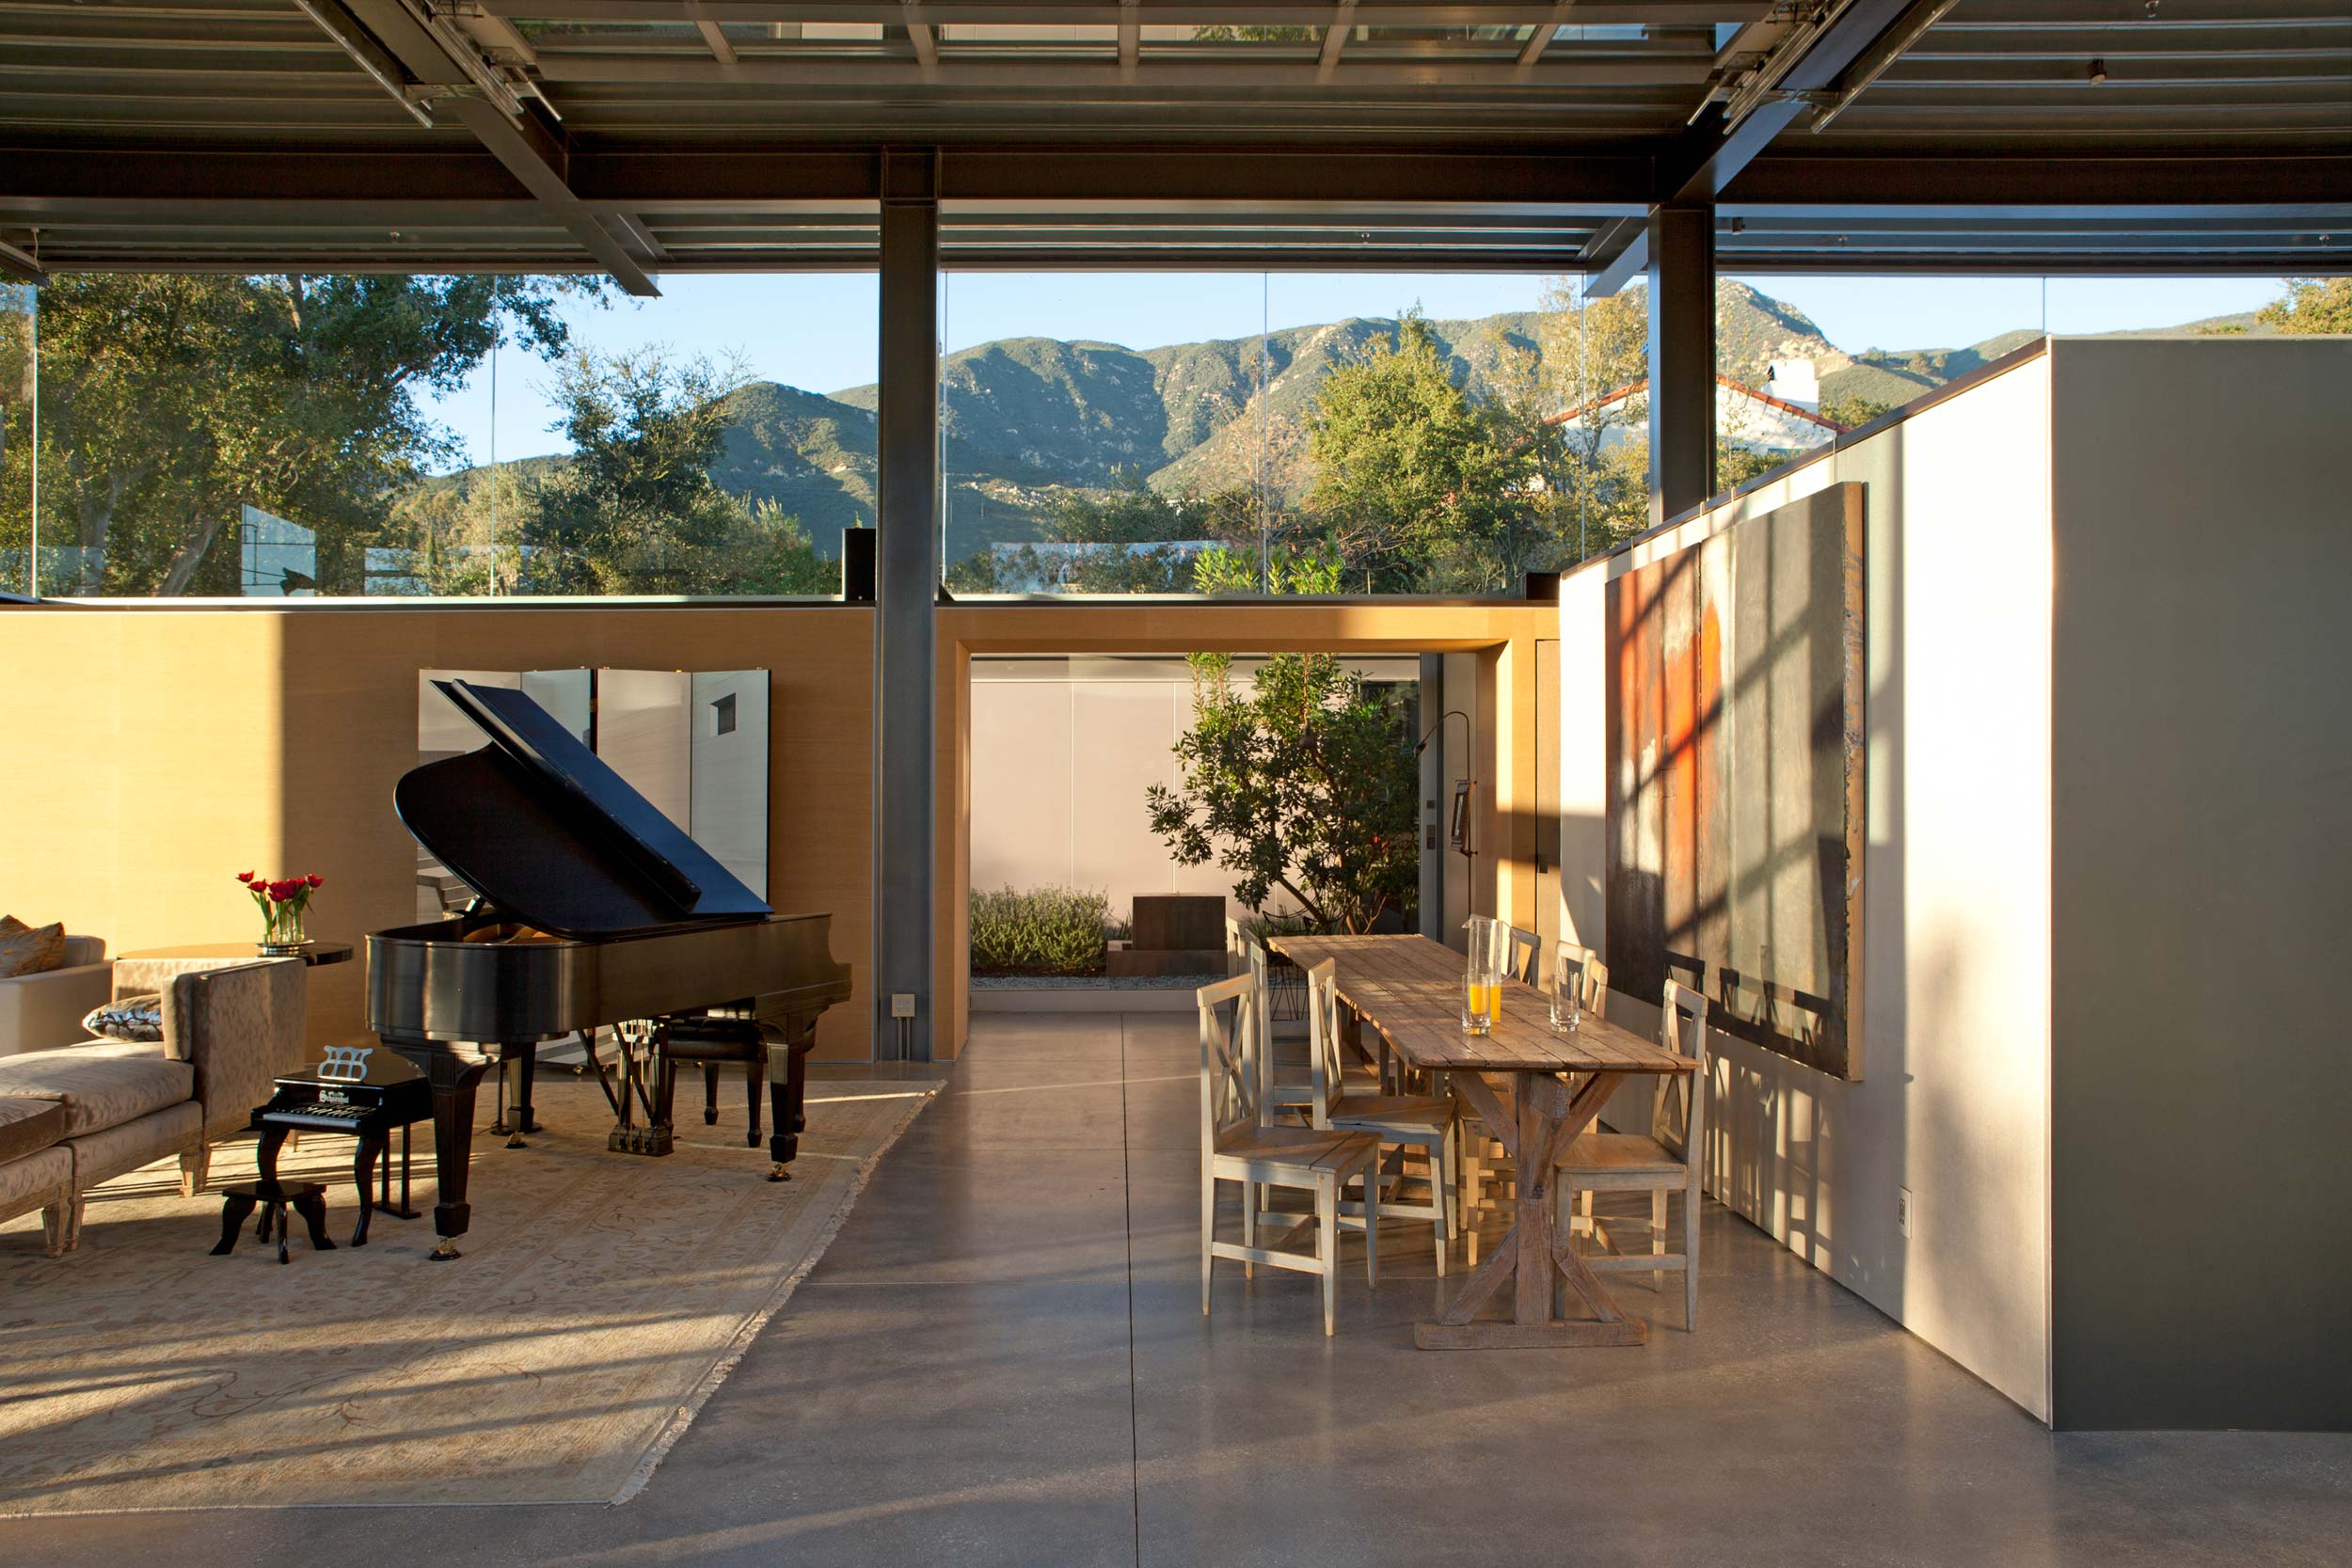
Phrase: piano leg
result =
(752, 1073)
(451, 1080)
(234, 1209)
(710, 1094)
(516, 1066)
(265, 1151)
(311, 1205)
(373, 1147)
(788, 1082)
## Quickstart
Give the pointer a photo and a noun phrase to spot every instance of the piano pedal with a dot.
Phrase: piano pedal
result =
(652, 1142)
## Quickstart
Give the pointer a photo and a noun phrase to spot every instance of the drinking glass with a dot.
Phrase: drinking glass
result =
(1481, 985)
(1567, 991)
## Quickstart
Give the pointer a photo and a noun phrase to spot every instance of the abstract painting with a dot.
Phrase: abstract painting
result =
(1735, 824)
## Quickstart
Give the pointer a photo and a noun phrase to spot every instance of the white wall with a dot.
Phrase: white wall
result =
(1954, 1101)
(646, 733)
(1062, 753)
(728, 777)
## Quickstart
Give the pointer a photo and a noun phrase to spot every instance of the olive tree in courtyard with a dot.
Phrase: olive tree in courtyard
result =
(1303, 783)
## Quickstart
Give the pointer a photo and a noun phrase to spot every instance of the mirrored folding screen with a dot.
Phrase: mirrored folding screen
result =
(1736, 807)
(694, 742)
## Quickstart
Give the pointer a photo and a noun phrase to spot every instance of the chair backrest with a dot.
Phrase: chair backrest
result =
(1236, 950)
(1677, 1119)
(1228, 1059)
(1323, 1037)
(1592, 977)
(1526, 946)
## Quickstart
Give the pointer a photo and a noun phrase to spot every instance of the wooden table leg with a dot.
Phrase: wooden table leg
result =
(1546, 1122)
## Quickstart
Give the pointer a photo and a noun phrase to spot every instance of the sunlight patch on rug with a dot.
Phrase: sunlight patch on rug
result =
(600, 1299)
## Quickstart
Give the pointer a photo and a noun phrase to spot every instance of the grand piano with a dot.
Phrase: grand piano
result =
(595, 910)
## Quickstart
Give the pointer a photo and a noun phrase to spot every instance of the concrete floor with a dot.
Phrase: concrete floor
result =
(1003, 1360)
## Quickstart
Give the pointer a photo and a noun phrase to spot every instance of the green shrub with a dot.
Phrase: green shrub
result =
(1044, 930)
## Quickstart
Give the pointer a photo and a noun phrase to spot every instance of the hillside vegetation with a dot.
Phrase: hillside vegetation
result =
(1026, 422)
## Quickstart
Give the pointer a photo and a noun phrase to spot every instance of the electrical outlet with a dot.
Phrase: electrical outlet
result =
(1905, 1211)
(901, 1003)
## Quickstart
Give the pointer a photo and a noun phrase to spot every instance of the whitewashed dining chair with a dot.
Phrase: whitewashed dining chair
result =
(1237, 1145)
(1661, 1163)
(1417, 1121)
(1525, 945)
(1284, 1075)
(1487, 1171)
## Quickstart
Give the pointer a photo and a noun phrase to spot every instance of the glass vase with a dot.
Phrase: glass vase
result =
(283, 932)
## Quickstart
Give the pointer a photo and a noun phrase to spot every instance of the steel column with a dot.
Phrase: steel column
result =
(907, 583)
(1681, 245)
(1434, 799)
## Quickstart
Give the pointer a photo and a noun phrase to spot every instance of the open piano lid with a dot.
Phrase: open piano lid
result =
(538, 824)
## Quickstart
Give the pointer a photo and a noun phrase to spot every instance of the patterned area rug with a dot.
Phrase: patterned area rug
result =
(601, 1298)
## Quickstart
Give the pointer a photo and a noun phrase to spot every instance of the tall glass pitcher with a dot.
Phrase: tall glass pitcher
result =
(1481, 987)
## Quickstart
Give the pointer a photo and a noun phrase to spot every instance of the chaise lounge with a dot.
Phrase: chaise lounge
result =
(75, 1115)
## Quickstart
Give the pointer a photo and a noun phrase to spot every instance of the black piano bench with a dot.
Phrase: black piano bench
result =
(240, 1199)
(713, 1042)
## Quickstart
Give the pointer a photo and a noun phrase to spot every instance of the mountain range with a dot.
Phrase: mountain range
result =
(1022, 417)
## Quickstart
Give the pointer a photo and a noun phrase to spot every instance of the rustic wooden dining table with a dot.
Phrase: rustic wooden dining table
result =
(1410, 989)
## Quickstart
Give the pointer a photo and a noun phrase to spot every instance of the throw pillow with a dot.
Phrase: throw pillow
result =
(132, 1018)
(30, 949)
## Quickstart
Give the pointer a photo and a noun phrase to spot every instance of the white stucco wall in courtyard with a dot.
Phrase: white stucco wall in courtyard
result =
(1063, 751)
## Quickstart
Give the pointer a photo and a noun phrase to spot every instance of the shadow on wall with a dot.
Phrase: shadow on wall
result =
(1790, 1146)
(1816, 1161)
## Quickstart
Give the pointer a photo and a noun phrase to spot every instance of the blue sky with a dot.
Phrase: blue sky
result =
(816, 330)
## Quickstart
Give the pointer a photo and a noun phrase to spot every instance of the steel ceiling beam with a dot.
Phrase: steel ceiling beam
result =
(921, 35)
(1195, 70)
(370, 56)
(1296, 13)
(17, 264)
(1868, 67)
(1173, 176)
(1540, 38)
(1335, 40)
(713, 36)
(1711, 152)
(530, 149)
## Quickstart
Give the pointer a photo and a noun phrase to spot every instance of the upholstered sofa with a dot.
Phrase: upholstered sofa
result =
(37, 1012)
(74, 1116)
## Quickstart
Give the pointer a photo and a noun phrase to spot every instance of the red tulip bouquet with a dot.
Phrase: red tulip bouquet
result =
(282, 902)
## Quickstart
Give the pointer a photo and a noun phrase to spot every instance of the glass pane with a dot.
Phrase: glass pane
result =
(1082, 450)
(267, 436)
(1413, 428)
(1806, 358)
(18, 303)
(1359, 432)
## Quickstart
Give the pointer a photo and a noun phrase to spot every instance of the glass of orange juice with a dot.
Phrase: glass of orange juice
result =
(1482, 987)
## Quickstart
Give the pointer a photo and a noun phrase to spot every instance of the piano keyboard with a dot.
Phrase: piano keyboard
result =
(320, 1115)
